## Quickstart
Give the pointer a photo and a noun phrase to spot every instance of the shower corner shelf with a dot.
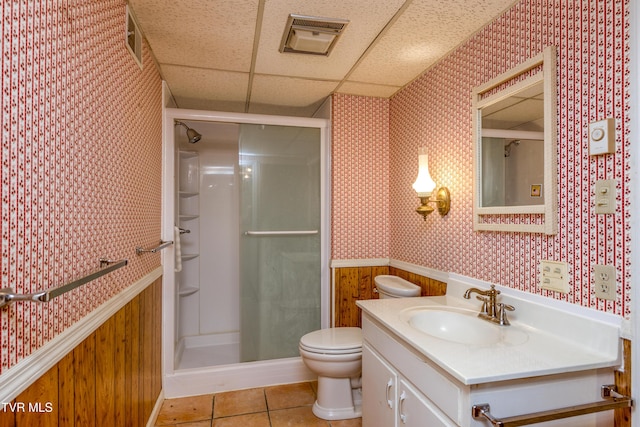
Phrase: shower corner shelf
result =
(185, 291)
(187, 257)
(187, 194)
(188, 217)
(188, 154)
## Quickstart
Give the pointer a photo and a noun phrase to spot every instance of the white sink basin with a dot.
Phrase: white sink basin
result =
(461, 326)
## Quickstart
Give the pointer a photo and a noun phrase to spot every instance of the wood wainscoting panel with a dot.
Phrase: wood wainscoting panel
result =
(622, 417)
(357, 283)
(113, 378)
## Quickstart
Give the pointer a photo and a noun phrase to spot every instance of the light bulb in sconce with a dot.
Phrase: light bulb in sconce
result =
(425, 185)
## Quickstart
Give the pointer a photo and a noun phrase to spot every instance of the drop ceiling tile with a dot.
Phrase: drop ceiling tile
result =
(426, 31)
(200, 33)
(283, 110)
(276, 90)
(203, 84)
(368, 89)
(366, 21)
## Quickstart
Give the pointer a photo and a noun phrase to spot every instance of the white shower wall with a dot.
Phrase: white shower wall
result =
(219, 290)
(210, 316)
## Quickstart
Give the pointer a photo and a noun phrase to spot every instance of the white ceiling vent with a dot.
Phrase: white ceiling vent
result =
(311, 34)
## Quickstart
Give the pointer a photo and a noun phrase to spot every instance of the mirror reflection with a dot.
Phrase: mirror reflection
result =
(513, 149)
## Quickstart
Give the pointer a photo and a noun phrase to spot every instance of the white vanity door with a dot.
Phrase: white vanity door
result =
(414, 410)
(379, 391)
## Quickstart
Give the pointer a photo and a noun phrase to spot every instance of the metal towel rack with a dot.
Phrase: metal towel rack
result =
(140, 250)
(7, 296)
(281, 233)
(614, 400)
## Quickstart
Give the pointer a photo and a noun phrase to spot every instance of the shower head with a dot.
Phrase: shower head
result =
(507, 148)
(192, 134)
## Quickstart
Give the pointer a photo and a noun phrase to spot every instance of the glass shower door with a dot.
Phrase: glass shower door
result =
(279, 239)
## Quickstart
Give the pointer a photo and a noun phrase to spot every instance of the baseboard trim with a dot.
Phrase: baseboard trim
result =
(151, 422)
(19, 377)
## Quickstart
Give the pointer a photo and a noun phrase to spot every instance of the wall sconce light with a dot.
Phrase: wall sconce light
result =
(424, 186)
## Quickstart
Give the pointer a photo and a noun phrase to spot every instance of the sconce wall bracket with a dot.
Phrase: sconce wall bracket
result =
(443, 201)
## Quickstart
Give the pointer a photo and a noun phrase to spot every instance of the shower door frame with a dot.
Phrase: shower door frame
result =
(186, 382)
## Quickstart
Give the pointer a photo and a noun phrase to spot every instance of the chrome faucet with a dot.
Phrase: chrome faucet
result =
(491, 310)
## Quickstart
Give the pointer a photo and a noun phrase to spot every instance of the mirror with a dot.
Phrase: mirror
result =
(515, 131)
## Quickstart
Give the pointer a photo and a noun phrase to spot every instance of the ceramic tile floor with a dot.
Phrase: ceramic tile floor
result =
(277, 406)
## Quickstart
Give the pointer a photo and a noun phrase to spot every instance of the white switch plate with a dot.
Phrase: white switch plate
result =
(602, 137)
(554, 276)
(605, 198)
(605, 281)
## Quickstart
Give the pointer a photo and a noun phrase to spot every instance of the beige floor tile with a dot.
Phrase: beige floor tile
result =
(289, 396)
(206, 423)
(296, 417)
(260, 419)
(239, 402)
(185, 410)
(354, 422)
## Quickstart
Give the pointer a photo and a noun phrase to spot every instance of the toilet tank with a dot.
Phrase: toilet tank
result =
(395, 287)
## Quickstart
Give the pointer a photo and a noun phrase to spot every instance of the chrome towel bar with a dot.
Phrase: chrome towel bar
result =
(7, 296)
(281, 233)
(140, 250)
(613, 400)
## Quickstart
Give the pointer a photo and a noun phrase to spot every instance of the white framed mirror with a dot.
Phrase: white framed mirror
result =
(515, 155)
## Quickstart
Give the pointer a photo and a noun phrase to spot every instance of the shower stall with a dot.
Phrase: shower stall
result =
(249, 268)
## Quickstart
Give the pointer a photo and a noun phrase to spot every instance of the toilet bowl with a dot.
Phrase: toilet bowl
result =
(335, 355)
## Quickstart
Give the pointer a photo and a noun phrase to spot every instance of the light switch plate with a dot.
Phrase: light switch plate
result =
(605, 197)
(605, 281)
(602, 137)
(554, 276)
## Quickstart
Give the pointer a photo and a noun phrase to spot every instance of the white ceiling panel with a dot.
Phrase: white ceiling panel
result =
(207, 87)
(368, 89)
(365, 24)
(200, 33)
(280, 90)
(212, 58)
(426, 31)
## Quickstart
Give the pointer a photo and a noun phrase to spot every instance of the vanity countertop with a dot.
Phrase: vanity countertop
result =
(548, 341)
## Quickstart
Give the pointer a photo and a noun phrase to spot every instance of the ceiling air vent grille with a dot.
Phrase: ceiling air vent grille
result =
(311, 35)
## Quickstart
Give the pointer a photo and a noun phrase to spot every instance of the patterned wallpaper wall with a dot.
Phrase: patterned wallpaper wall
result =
(592, 38)
(360, 185)
(81, 162)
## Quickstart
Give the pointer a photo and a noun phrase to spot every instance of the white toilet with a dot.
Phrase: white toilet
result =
(335, 355)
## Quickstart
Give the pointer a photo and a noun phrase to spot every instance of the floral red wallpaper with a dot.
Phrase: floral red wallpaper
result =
(81, 162)
(592, 40)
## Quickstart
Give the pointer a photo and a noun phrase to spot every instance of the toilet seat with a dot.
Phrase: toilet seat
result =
(333, 341)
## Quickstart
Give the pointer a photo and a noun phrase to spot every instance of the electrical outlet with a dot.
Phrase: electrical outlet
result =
(605, 281)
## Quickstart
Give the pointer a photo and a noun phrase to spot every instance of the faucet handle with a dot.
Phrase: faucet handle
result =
(502, 313)
(485, 302)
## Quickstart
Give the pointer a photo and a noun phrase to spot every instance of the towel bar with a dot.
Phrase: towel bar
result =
(7, 296)
(281, 233)
(614, 401)
(140, 250)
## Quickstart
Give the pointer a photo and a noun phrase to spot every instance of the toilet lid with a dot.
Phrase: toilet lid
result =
(334, 340)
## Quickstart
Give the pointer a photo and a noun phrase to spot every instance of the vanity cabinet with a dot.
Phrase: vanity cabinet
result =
(402, 387)
(390, 399)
